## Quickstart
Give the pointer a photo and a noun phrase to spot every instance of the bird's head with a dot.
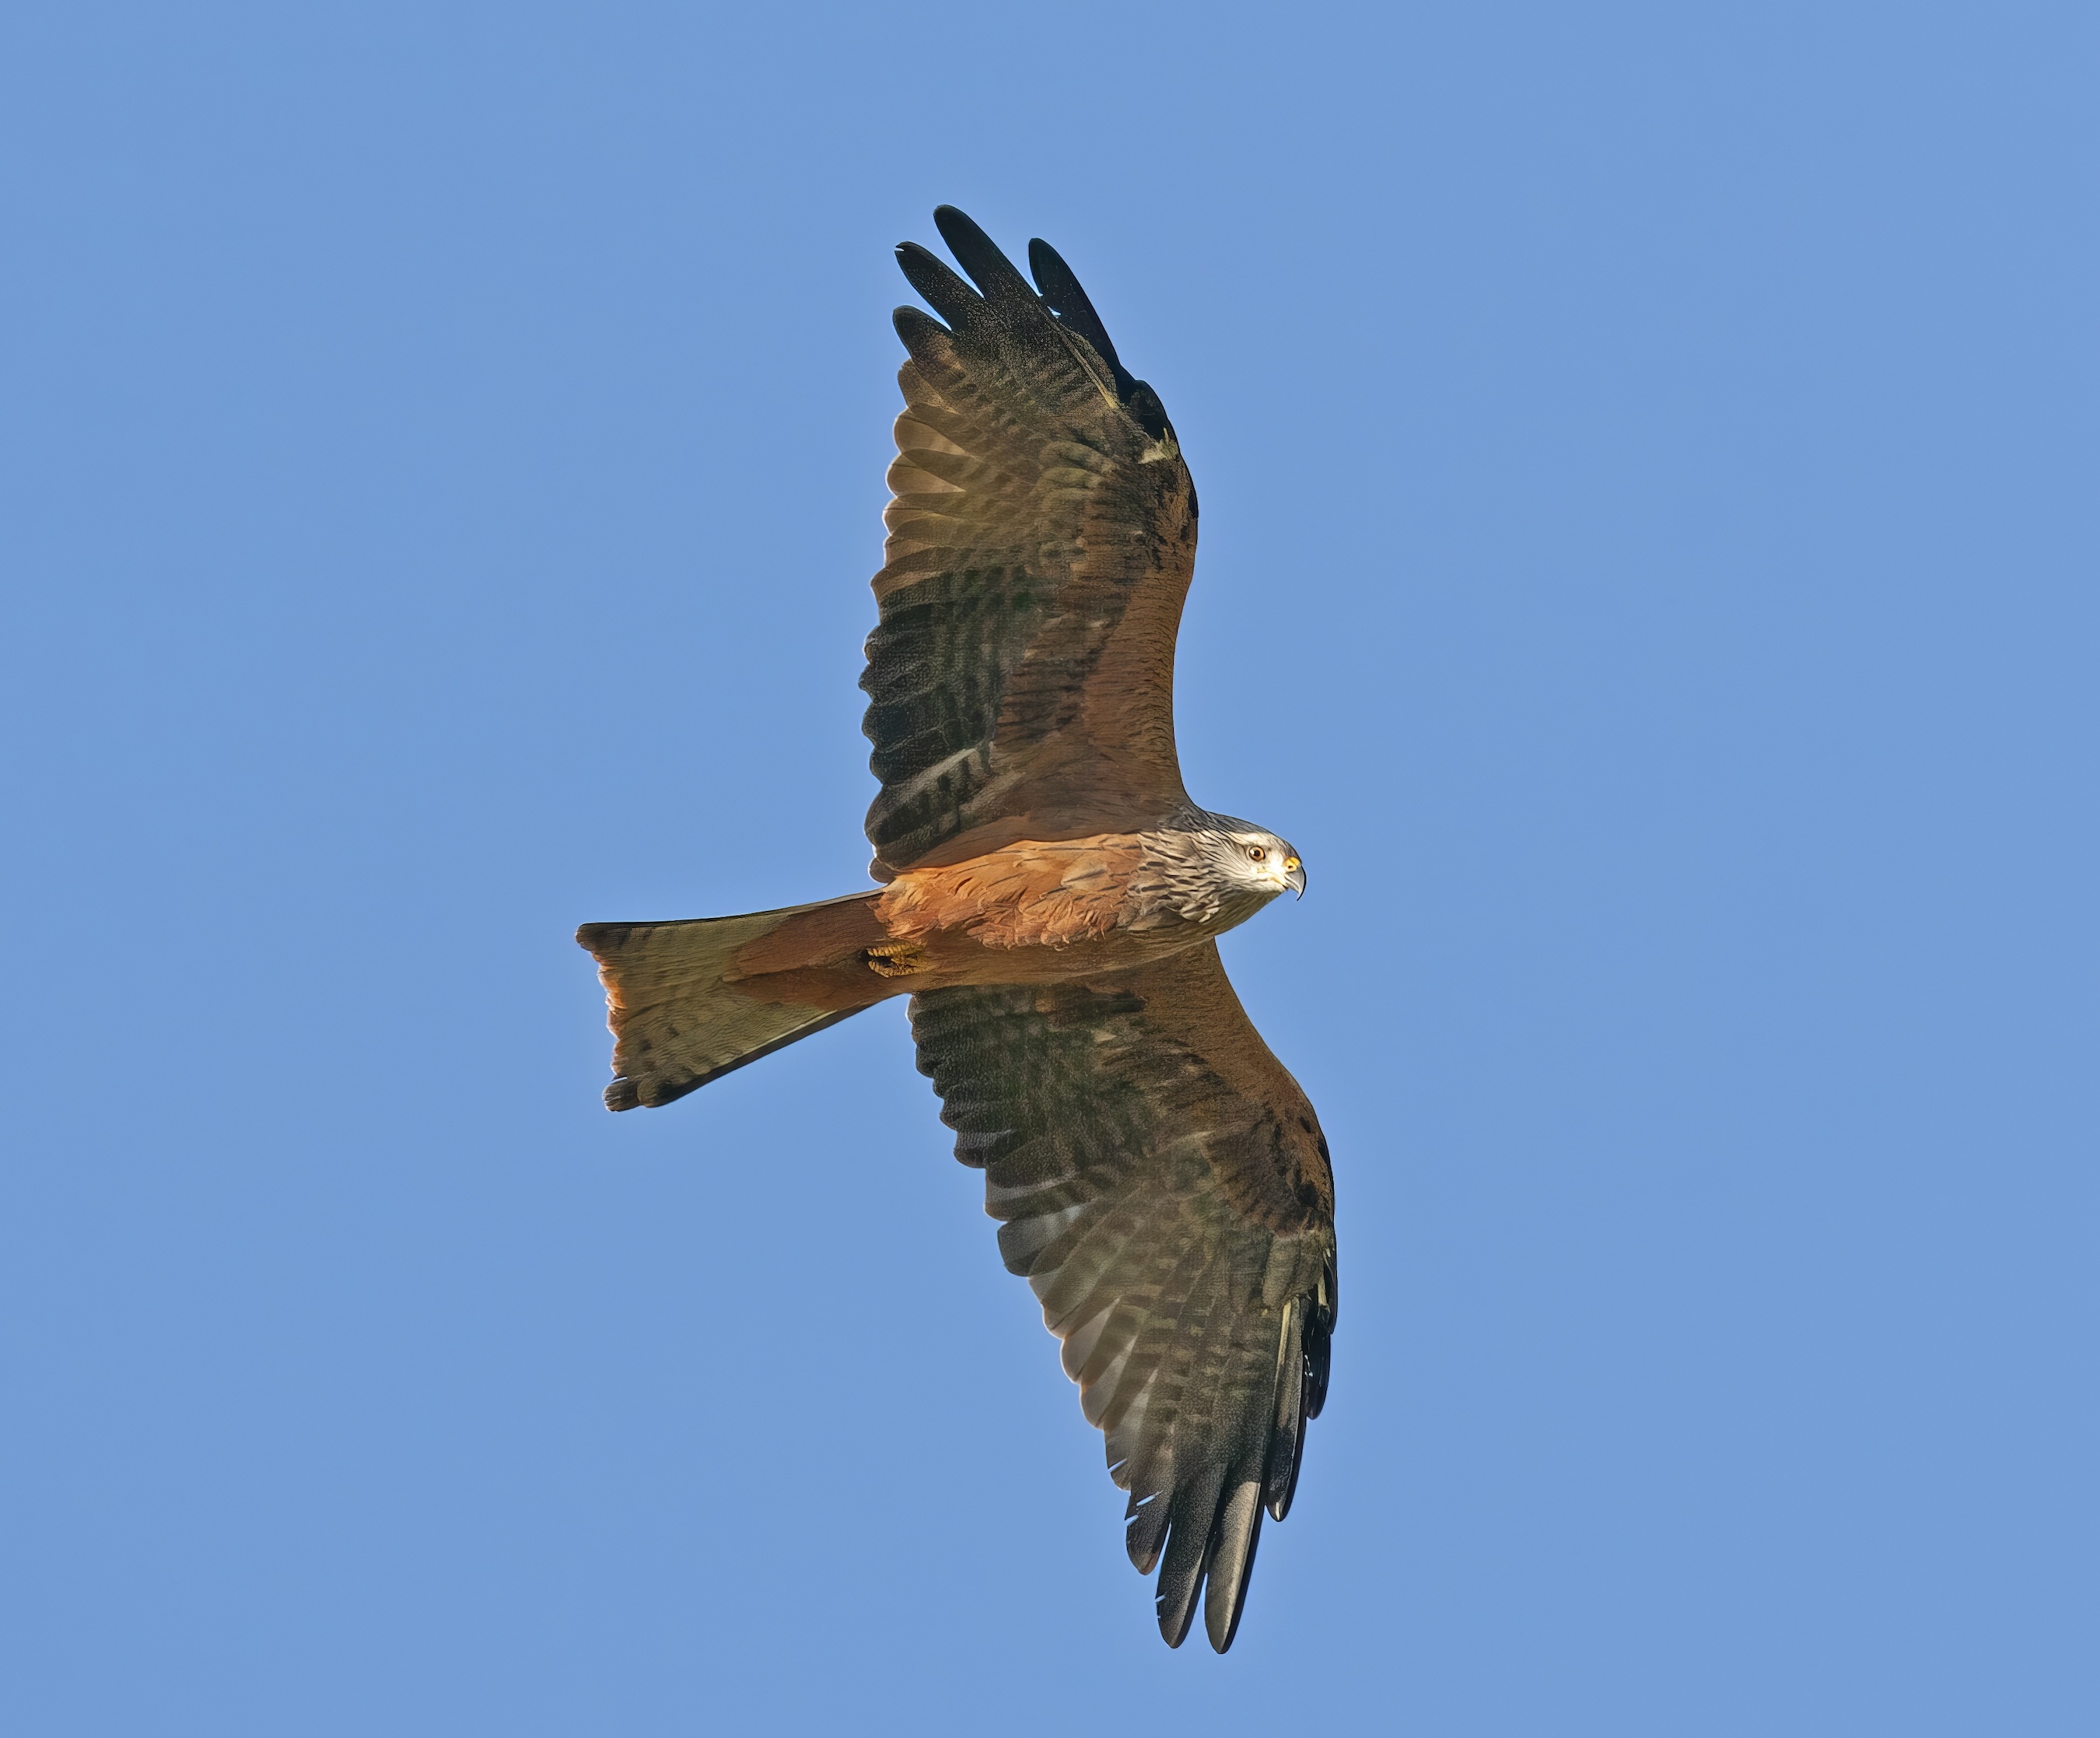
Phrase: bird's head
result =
(1252, 861)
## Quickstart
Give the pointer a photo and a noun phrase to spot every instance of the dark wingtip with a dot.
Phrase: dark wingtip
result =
(1192, 1535)
(1146, 411)
(911, 322)
(1175, 1619)
(623, 1094)
(1319, 1356)
(1279, 1504)
(1286, 1443)
(1048, 267)
(960, 231)
(1063, 295)
(1319, 1348)
(999, 285)
(1145, 1525)
(948, 295)
(1181, 1576)
(1234, 1536)
(979, 255)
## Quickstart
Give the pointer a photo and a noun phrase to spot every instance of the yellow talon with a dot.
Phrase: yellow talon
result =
(897, 959)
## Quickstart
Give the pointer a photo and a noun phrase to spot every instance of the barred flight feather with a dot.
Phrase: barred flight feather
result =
(1118, 1121)
(1033, 594)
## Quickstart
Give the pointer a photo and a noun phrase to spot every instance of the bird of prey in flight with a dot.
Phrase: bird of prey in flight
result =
(1051, 900)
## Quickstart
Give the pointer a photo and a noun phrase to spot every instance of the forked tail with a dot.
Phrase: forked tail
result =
(690, 1000)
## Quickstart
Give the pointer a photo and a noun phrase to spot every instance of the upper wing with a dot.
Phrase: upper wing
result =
(1166, 1189)
(1021, 681)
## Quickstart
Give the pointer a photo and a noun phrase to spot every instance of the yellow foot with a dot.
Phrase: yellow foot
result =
(897, 959)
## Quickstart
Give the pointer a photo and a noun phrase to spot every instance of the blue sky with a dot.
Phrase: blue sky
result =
(1648, 566)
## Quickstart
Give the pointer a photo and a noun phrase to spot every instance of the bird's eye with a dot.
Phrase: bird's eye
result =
(1256, 852)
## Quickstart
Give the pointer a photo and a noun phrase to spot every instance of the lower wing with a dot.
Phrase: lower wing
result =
(1162, 1183)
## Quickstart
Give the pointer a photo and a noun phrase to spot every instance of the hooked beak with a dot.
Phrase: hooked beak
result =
(1293, 875)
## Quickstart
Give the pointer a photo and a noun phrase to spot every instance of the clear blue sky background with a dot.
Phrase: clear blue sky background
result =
(1648, 459)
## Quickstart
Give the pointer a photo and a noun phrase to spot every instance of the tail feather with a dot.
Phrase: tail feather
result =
(684, 1009)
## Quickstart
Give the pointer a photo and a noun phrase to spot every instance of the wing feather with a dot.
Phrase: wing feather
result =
(1041, 532)
(1162, 1183)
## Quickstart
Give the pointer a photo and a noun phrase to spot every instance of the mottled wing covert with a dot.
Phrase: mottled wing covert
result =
(1163, 1185)
(1042, 535)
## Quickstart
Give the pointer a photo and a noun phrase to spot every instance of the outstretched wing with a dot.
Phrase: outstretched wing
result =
(1021, 681)
(1164, 1186)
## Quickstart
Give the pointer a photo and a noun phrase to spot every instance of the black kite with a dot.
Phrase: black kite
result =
(1050, 902)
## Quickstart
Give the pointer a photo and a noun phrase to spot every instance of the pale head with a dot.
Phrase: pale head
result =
(1254, 863)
